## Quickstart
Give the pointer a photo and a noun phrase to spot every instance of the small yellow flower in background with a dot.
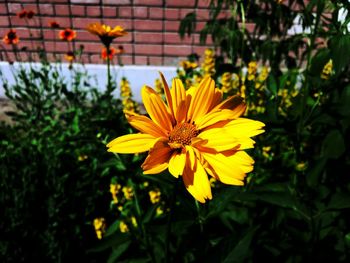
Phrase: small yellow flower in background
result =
(154, 196)
(159, 211)
(158, 86)
(242, 92)
(69, 56)
(100, 227)
(197, 78)
(208, 65)
(120, 208)
(82, 157)
(262, 77)
(145, 184)
(266, 151)
(106, 33)
(123, 227)
(252, 68)
(212, 181)
(114, 189)
(133, 221)
(188, 65)
(327, 70)
(194, 134)
(301, 166)
(226, 82)
(128, 192)
(126, 96)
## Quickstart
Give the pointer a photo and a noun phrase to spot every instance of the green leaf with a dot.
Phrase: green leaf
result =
(344, 102)
(110, 241)
(319, 61)
(118, 251)
(340, 52)
(187, 24)
(241, 250)
(333, 146)
(339, 201)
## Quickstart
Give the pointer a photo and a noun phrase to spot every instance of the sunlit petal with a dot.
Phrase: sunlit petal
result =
(158, 158)
(177, 163)
(156, 108)
(132, 143)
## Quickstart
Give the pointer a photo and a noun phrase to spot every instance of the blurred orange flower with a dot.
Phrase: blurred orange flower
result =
(112, 52)
(30, 14)
(67, 34)
(69, 56)
(106, 33)
(11, 38)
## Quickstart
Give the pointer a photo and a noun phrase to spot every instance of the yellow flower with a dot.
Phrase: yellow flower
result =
(208, 65)
(194, 134)
(114, 190)
(226, 82)
(100, 227)
(154, 196)
(188, 65)
(252, 68)
(106, 33)
(158, 86)
(128, 192)
(159, 211)
(123, 227)
(82, 157)
(301, 166)
(133, 221)
(327, 70)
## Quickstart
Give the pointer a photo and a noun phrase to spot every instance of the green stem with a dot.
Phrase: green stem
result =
(109, 87)
(243, 32)
(170, 217)
(140, 222)
(200, 220)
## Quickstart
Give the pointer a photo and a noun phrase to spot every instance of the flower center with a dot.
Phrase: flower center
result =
(182, 134)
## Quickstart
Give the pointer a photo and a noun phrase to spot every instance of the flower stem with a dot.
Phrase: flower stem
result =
(170, 217)
(109, 87)
(200, 220)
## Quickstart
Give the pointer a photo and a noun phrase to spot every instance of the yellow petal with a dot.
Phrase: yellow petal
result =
(158, 158)
(227, 169)
(234, 103)
(201, 99)
(132, 143)
(178, 96)
(243, 127)
(146, 125)
(177, 163)
(214, 117)
(218, 139)
(156, 108)
(167, 96)
(196, 179)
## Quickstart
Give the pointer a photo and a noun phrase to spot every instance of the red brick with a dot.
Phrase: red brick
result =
(156, 13)
(174, 38)
(202, 14)
(148, 25)
(172, 14)
(200, 49)
(3, 9)
(85, 1)
(172, 26)
(124, 12)
(155, 60)
(4, 21)
(180, 3)
(46, 9)
(62, 10)
(149, 2)
(82, 22)
(146, 37)
(109, 11)
(203, 3)
(177, 50)
(148, 49)
(118, 2)
(141, 60)
(78, 10)
(93, 11)
(14, 8)
(58, 1)
(140, 12)
(62, 21)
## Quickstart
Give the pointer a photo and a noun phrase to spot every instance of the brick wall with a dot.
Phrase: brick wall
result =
(152, 27)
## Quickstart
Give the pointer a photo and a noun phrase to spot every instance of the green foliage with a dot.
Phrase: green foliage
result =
(54, 165)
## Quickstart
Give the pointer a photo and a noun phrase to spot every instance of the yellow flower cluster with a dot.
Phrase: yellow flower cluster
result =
(128, 192)
(208, 65)
(114, 190)
(154, 196)
(262, 77)
(126, 96)
(124, 226)
(286, 96)
(252, 69)
(327, 70)
(188, 65)
(100, 227)
(158, 86)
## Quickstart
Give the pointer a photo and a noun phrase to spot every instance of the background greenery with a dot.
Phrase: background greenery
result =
(56, 173)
